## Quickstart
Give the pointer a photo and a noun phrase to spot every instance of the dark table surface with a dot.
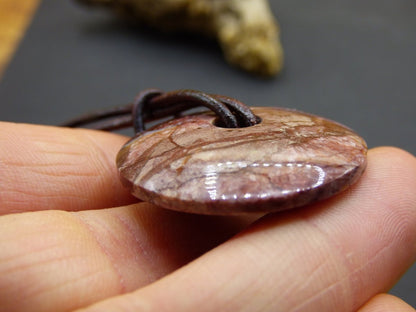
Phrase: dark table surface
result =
(351, 61)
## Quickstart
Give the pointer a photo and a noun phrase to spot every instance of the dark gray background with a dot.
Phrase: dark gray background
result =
(349, 60)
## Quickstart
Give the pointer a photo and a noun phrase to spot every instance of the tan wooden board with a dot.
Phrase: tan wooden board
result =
(15, 16)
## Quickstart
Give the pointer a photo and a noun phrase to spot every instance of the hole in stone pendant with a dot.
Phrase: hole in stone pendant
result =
(219, 123)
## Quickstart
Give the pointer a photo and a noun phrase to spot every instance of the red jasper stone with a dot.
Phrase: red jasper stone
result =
(288, 160)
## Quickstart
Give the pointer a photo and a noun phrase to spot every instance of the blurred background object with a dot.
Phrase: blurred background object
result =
(246, 30)
(14, 18)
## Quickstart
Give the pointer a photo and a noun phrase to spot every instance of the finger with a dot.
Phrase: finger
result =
(60, 261)
(386, 303)
(57, 168)
(333, 256)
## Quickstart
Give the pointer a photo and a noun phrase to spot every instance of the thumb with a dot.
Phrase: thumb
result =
(334, 256)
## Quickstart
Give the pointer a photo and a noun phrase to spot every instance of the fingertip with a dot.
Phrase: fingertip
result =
(386, 303)
(393, 163)
(45, 167)
(395, 155)
(391, 177)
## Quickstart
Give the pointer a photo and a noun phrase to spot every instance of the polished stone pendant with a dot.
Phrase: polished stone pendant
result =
(288, 160)
(284, 159)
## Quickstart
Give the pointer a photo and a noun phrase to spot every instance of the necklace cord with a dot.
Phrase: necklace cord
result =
(153, 104)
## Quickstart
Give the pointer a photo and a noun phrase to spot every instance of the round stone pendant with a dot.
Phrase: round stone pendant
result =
(289, 159)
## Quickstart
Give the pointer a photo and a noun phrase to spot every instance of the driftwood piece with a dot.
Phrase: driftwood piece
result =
(245, 29)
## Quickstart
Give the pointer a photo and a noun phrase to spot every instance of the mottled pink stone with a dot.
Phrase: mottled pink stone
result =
(288, 160)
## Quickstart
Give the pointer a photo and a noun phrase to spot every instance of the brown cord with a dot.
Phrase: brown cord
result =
(153, 104)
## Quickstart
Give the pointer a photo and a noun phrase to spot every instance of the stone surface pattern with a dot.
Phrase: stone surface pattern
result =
(288, 160)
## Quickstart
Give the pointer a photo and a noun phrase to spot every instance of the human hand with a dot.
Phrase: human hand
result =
(61, 251)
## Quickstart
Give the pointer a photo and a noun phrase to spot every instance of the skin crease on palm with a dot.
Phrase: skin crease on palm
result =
(73, 239)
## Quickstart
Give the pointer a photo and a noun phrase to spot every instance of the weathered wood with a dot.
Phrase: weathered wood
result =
(15, 16)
